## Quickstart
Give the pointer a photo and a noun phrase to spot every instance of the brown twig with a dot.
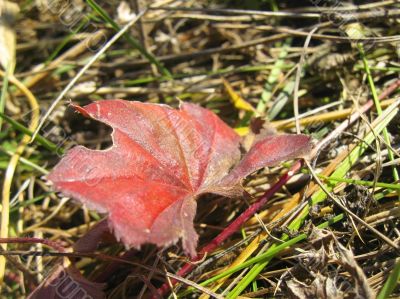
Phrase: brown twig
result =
(239, 221)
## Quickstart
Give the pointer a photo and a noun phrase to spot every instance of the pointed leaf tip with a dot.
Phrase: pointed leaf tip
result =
(161, 160)
(270, 151)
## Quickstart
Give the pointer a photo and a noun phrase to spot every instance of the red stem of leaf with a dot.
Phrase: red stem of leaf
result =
(235, 225)
(251, 210)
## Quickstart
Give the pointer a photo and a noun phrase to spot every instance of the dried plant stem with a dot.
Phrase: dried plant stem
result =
(345, 209)
(325, 117)
(22, 240)
(42, 73)
(289, 208)
(239, 221)
(368, 105)
(378, 109)
(9, 174)
(84, 69)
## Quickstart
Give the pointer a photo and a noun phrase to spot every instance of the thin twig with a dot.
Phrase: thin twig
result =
(84, 69)
(230, 229)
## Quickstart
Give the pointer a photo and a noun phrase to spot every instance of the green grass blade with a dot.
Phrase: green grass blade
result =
(65, 41)
(378, 108)
(347, 164)
(361, 182)
(273, 77)
(320, 195)
(40, 139)
(135, 43)
(390, 283)
(23, 160)
(3, 96)
(281, 100)
(28, 202)
(267, 256)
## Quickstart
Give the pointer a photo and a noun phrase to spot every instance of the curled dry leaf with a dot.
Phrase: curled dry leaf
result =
(322, 287)
(362, 288)
(161, 160)
(316, 265)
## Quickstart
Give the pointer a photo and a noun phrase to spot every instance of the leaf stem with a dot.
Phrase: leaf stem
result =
(228, 231)
(237, 223)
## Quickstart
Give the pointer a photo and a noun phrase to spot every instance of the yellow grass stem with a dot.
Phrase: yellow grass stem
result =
(9, 174)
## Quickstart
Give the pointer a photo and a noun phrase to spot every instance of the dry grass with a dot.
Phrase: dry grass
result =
(269, 59)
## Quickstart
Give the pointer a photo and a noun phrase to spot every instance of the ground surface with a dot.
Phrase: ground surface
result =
(311, 62)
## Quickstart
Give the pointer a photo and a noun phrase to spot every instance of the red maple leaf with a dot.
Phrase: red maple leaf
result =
(161, 160)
